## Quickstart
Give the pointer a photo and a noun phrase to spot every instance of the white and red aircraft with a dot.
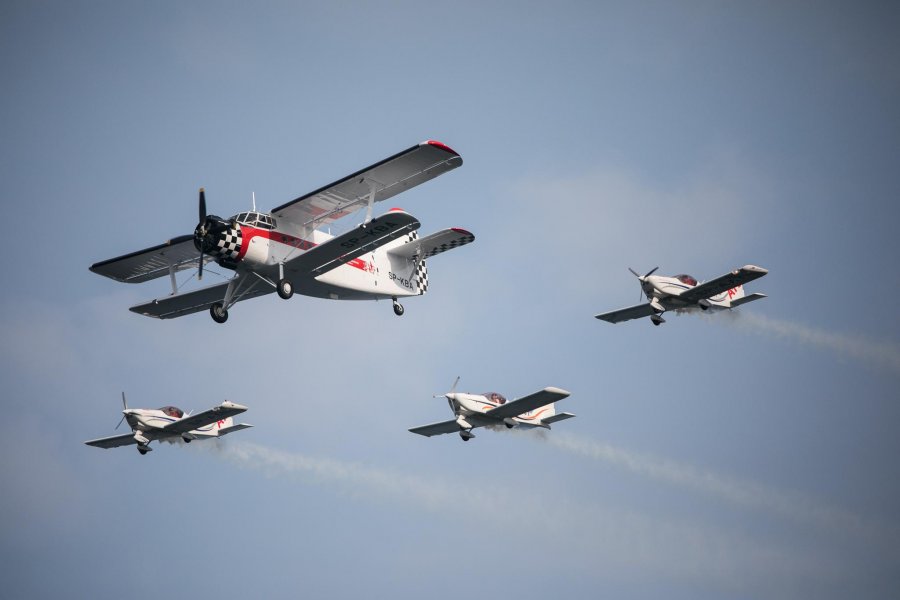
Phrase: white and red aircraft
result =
(285, 250)
(682, 293)
(169, 423)
(492, 410)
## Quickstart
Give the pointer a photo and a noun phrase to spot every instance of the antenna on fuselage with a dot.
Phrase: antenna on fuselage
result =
(254, 200)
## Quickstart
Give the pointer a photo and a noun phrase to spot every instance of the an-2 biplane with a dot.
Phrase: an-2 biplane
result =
(170, 423)
(286, 251)
(683, 293)
(492, 410)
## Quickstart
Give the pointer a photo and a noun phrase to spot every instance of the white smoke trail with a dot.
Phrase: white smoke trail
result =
(876, 353)
(617, 538)
(738, 492)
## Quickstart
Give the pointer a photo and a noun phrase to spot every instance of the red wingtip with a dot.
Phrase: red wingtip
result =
(444, 147)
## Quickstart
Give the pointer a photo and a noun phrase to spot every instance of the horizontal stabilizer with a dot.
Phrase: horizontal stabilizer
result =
(233, 428)
(436, 243)
(557, 417)
(737, 302)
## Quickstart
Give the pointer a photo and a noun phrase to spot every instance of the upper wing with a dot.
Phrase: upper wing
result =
(626, 314)
(114, 441)
(169, 307)
(724, 283)
(207, 417)
(532, 401)
(450, 426)
(178, 253)
(355, 243)
(428, 246)
(387, 178)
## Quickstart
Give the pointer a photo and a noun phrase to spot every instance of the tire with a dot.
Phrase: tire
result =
(398, 309)
(285, 289)
(218, 313)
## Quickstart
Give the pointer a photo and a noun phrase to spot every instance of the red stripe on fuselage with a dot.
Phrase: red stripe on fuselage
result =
(248, 233)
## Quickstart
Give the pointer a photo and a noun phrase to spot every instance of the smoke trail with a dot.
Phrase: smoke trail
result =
(876, 353)
(741, 493)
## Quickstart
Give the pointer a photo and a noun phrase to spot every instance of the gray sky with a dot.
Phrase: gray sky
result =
(743, 455)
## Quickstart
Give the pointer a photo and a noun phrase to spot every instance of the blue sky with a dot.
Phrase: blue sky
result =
(743, 455)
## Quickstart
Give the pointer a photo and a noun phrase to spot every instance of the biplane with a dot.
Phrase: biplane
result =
(287, 250)
(491, 409)
(170, 423)
(684, 293)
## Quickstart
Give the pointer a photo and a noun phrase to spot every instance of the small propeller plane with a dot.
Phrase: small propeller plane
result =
(683, 293)
(170, 423)
(286, 251)
(492, 410)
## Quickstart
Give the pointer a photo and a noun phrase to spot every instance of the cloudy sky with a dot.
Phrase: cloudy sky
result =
(742, 455)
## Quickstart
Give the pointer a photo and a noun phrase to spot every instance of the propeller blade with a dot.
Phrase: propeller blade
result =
(120, 423)
(453, 387)
(202, 206)
(124, 404)
(633, 272)
(651, 272)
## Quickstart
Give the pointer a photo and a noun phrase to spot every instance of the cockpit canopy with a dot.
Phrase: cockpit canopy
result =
(495, 397)
(687, 280)
(172, 411)
(255, 219)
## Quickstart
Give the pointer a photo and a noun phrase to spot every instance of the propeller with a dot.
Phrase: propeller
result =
(452, 389)
(202, 230)
(125, 404)
(641, 279)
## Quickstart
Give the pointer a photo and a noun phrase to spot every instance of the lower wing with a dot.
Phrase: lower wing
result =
(176, 254)
(248, 286)
(517, 407)
(450, 426)
(716, 286)
(126, 439)
(207, 417)
(627, 314)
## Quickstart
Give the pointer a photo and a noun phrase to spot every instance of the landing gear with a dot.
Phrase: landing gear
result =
(466, 435)
(657, 319)
(142, 450)
(285, 289)
(398, 308)
(218, 312)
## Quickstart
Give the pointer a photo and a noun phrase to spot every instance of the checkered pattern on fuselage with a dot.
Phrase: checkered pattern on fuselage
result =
(229, 243)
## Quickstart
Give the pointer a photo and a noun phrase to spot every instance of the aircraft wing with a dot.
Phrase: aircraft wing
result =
(428, 246)
(387, 178)
(178, 253)
(207, 417)
(626, 314)
(532, 401)
(450, 426)
(188, 303)
(114, 441)
(716, 286)
(354, 243)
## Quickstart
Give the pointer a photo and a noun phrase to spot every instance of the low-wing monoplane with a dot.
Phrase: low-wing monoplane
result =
(286, 250)
(170, 423)
(683, 293)
(492, 410)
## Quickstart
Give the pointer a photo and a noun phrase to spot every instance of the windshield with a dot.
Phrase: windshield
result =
(173, 411)
(687, 280)
(495, 397)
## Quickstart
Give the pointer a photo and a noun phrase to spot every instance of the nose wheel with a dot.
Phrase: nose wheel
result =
(398, 308)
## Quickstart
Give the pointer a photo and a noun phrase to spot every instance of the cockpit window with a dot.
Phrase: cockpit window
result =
(255, 219)
(495, 397)
(173, 411)
(686, 279)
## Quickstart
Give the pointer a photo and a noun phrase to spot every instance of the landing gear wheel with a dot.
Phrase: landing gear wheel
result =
(143, 451)
(285, 289)
(218, 312)
(398, 309)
